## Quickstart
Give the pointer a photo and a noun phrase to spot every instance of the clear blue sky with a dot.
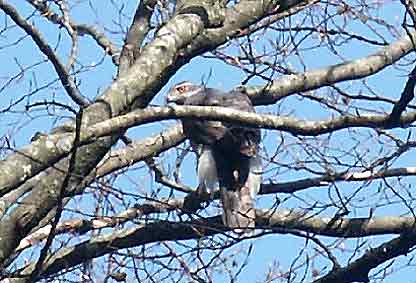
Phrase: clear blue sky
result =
(274, 248)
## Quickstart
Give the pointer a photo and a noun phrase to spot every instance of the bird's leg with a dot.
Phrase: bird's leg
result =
(203, 195)
(197, 199)
(194, 201)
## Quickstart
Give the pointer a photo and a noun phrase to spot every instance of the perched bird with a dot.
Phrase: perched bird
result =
(228, 153)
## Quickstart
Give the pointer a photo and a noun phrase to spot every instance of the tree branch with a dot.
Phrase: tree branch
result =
(60, 69)
(158, 60)
(163, 206)
(151, 114)
(106, 44)
(165, 231)
(60, 201)
(266, 121)
(136, 34)
(350, 70)
(405, 98)
(358, 270)
(117, 159)
(140, 84)
(302, 184)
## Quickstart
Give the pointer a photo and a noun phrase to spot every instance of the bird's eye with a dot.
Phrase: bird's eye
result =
(181, 89)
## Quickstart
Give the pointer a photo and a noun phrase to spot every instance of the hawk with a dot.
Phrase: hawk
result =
(228, 153)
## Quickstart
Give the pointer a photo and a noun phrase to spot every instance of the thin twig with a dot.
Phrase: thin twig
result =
(82, 29)
(60, 69)
(60, 203)
(405, 98)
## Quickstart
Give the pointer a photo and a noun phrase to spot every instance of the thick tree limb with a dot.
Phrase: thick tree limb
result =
(136, 34)
(358, 270)
(140, 150)
(350, 70)
(32, 159)
(266, 121)
(165, 231)
(152, 114)
(143, 76)
(163, 206)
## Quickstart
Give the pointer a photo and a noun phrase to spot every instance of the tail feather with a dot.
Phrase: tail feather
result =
(239, 213)
(239, 205)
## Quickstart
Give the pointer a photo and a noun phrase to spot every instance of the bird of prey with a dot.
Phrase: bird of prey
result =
(228, 153)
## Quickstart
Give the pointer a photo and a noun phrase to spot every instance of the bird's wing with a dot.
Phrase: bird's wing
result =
(228, 136)
(234, 153)
(203, 131)
(207, 170)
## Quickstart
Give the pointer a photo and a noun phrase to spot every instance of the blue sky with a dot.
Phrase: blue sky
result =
(93, 80)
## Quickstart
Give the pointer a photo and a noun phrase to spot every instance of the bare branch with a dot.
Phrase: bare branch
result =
(152, 114)
(141, 82)
(136, 151)
(177, 204)
(410, 8)
(161, 178)
(267, 22)
(109, 47)
(358, 270)
(351, 70)
(266, 121)
(83, 226)
(164, 231)
(140, 150)
(405, 98)
(60, 201)
(298, 185)
(60, 69)
(137, 32)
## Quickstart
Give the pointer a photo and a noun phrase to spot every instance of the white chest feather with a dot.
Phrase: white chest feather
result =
(207, 170)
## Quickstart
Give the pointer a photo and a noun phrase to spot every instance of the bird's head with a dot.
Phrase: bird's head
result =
(181, 91)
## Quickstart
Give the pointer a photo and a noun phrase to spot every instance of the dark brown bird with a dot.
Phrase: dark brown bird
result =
(228, 152)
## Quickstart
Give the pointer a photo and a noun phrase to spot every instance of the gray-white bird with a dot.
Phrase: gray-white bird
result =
(228, 152)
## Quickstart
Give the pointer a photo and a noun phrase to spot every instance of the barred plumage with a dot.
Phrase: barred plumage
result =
(229, 152)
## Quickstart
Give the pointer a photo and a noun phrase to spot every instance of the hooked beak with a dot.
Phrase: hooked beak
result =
(173, 99)
(168, 100)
